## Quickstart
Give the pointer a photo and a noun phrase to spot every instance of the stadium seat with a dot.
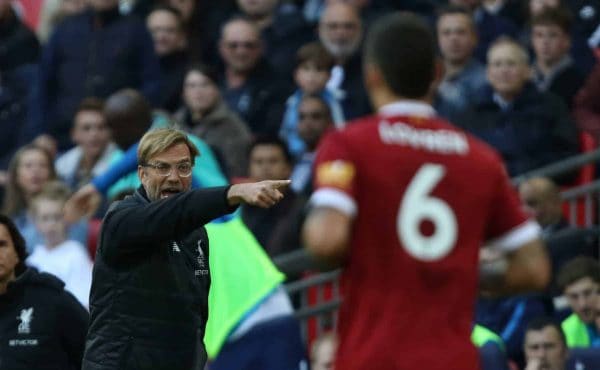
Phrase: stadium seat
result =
(585, 176)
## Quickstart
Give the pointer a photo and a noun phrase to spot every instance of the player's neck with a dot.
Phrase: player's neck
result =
(382, 98)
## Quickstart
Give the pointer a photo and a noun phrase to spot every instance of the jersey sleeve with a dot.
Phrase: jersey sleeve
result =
(335, 176)
(508, 226)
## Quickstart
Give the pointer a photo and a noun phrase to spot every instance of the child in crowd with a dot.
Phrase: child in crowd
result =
(311, 75)
(67, 259)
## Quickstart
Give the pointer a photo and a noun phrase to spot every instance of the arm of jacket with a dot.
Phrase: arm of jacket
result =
(131, 229)
(73, 322)
(587, 104)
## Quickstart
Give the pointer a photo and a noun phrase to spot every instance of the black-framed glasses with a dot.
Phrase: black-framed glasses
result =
(184, 169)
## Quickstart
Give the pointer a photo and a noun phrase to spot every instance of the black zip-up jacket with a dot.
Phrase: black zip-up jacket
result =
(149, 297)
(42, 326)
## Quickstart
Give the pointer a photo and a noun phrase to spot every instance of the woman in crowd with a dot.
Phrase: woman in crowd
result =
(206, 115)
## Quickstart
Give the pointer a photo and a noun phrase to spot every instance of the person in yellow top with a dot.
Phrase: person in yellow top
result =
(579, 280)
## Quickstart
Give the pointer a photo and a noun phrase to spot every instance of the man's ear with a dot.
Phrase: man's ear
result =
(142, 174)
(373, 76)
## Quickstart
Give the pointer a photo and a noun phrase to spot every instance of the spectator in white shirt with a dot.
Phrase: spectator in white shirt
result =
(67, 259)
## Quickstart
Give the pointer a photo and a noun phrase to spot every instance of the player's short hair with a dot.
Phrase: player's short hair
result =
(18, 242)
(559, 16)
(578, 268)
(402, 47)
(205, 70)
(159, 140)
(518, 48)
(457, 10)
(542, 322)
(315, 54)
(271, 140)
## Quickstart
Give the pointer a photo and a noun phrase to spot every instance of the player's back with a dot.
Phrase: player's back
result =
(424, 193)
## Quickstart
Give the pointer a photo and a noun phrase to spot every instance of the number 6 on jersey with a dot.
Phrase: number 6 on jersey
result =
(417, 206)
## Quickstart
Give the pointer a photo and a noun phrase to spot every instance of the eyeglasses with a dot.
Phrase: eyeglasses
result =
(250, 45)
(165, 169)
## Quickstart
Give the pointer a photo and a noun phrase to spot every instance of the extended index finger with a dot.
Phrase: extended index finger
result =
(278, 184)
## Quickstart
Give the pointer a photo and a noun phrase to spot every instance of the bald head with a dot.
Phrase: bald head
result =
(541, 197)
(340, 30)
(128, 115)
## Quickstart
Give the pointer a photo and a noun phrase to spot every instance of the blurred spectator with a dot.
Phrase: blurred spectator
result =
(341, 33)
(251, 324)
(322, 352)
(587, 105)
(41, 324)
(541, 198)
(18, 44)
(78, 62)
(545, 346)
(314, 121)
(171, 46)
(490, 25)
(491, 348)
(202, 22)
(313, 66)
(29, 170)
(93, 149)
(587, 16)
(369, 10)
(464, 76)
(579, 280)
(529, 128)
(249, 85)
(206, 115)
(13, 112)
(66, 259)
(55, 11)
(283, 30)
(277, 229)
(553, 68)
(512, 10)
(508, 317)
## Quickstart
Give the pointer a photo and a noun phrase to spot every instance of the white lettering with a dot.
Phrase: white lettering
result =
(439, 141)
(22, 342)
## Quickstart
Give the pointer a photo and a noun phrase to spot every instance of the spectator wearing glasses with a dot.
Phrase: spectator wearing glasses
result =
(249, 84)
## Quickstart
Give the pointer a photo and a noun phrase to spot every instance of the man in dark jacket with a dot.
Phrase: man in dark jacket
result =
(530, 129)
(151, 278)
(92, 54)
(18, 44)
(41, 325)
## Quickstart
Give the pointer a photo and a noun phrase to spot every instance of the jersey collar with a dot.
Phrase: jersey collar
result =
(407, 108)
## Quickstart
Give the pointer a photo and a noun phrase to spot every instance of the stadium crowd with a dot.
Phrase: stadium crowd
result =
(256, 84)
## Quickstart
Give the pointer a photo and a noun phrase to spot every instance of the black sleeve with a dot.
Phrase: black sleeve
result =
(130, 229)
(73, 322)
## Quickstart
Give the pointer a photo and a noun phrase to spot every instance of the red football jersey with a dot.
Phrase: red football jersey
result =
(425, 196)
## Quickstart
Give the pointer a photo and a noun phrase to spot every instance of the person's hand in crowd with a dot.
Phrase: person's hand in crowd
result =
(47, 143)
(534, 364)
(263, 194)
(83, 203)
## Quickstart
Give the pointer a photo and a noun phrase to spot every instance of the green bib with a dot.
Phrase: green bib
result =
(242, 275)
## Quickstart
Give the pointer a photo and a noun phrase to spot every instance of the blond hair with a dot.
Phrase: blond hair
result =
(55, 191)
(159, 140)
